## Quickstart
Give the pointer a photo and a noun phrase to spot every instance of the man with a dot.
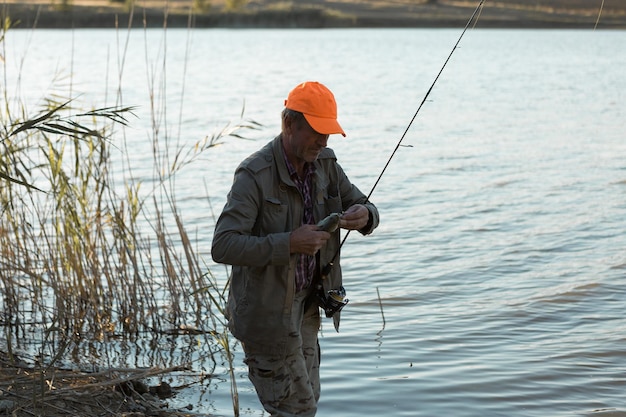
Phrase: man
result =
(268, 233)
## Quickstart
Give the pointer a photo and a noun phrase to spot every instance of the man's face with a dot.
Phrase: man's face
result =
(303, 143)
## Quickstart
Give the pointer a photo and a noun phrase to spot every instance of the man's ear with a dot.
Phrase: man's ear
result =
(288, 125)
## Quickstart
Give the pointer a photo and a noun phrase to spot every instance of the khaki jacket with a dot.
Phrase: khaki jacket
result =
(252, 234)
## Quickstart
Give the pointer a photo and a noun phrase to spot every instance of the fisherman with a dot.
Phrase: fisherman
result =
(268, 232)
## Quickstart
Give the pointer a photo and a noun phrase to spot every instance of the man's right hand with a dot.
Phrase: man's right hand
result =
(307, 239)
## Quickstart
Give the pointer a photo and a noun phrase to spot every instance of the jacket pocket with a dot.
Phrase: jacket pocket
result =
(271, 378)
(332, 200)
(333, 205)
(273, 216)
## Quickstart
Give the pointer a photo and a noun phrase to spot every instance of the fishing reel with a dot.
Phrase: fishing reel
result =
(332, 301)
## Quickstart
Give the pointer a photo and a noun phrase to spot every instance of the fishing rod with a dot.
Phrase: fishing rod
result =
(335, 299)
(425, 98)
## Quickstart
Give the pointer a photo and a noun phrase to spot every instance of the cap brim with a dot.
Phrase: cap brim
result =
(324, 125)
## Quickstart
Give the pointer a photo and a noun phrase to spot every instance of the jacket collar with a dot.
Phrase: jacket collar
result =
(320, 178)
(279, 159)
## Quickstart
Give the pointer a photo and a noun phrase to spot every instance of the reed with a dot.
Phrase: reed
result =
(85, 259)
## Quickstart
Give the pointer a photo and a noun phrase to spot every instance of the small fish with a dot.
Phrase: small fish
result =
(330, 223)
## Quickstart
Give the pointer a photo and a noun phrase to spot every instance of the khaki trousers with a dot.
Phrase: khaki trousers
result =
(290, 385)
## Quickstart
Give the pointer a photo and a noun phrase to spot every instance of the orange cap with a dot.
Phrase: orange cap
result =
(317, 104)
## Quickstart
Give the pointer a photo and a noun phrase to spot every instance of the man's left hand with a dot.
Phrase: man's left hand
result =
(355, 218)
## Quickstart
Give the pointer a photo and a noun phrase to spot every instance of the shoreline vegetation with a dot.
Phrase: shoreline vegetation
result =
(543, 14)
(101, 282)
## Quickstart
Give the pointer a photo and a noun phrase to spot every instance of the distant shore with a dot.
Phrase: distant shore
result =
(28, 15)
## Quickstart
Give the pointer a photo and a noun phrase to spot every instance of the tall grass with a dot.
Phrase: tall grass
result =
(85, 253)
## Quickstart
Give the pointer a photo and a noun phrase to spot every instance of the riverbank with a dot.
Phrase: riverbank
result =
(315, 14)
(27, 390)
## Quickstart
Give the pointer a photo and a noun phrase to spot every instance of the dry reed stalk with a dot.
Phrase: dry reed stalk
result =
(78, 263)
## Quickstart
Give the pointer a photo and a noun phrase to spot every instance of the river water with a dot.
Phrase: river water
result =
(496, 282)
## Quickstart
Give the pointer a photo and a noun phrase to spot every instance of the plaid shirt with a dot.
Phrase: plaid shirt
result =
(305, 268)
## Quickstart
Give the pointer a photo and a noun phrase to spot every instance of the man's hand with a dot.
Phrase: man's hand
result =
(307, 239)
(355, 218)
